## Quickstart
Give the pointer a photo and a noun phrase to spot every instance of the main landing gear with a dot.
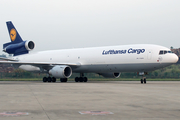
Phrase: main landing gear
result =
(49, 79)
(53, 79)
(77, 79)
(63, 79)
(81, 78)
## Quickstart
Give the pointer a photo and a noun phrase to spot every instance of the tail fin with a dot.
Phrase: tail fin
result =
(13, 33)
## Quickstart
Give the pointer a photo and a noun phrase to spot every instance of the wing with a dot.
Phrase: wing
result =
(44, 65)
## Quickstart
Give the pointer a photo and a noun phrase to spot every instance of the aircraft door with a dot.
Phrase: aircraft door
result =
(149, 54)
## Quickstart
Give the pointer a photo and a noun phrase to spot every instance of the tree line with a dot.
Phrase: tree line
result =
(172, 71)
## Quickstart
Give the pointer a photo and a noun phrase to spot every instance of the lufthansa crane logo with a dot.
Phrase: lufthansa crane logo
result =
(13, 34)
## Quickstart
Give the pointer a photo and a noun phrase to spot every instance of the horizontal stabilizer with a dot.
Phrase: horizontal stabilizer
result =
(7, 59)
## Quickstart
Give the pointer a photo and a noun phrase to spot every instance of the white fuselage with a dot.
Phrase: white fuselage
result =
(124, 58)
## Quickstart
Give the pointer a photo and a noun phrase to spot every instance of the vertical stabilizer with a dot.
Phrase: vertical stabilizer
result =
(13, 33)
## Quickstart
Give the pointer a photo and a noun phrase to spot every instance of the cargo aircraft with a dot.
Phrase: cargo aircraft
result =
(108, 61)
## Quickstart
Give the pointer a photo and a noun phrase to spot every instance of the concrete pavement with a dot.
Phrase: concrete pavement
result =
(129, 100)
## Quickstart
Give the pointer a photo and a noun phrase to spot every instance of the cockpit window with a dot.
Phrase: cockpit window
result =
(161, 52)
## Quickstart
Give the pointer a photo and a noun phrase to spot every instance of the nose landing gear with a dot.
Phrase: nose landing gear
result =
(143, 80)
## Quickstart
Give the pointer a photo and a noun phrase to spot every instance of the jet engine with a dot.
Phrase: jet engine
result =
(110, 75)
(19, 48)
(61, 71)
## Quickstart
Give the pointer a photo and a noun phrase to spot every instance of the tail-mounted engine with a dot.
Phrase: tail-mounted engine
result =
(18, 48)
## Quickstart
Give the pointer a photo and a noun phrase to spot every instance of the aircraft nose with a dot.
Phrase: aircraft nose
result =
(175, 58)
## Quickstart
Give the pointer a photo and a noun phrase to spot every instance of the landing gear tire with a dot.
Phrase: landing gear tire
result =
(63, 79)
(76, 79)
(49, 79)
(85, 79)
(44, 79)
(53, 79)
(144, 81)
(81, 79)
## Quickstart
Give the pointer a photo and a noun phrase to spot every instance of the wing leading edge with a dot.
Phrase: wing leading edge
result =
(45, 65)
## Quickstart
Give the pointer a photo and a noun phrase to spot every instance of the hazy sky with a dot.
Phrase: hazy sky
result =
(60, 24)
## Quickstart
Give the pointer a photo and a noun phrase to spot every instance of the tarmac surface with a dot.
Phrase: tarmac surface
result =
(124, 100)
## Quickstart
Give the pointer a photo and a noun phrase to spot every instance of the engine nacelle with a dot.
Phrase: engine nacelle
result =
(29, 68)
(110, 75)
(61, 71)
(19, 48)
